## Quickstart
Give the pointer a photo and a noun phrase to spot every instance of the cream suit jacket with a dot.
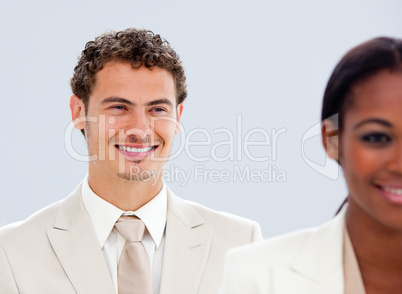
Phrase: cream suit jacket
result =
(56, 251)
(305, 262)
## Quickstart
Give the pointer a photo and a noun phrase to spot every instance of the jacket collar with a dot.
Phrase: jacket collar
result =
(318, 266)
(322, 254)
(76, 246)
(187, 247)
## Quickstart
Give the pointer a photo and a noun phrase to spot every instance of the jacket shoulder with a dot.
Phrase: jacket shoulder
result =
(274, 251)
(284, 249)
(226, 225)
(37, 222)
(219, 216)
(315, 252)
(249, 269)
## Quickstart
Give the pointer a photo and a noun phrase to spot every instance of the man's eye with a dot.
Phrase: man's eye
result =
(376, 138)
(120, 107)
(158, 109)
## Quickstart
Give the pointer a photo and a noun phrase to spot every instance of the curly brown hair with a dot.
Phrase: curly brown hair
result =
(138, 47)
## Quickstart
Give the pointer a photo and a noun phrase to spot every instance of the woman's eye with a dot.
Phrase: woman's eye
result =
(376, 138)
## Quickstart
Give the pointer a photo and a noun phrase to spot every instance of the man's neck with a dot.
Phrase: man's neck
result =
(124, 194)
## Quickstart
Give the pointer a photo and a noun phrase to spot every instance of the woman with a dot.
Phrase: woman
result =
(360, 250)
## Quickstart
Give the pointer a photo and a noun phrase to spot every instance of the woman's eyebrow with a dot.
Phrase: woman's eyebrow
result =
(375, 121)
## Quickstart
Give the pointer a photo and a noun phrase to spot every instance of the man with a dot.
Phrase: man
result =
(129, 89)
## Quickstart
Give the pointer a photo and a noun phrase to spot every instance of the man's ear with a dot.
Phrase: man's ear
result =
(330, 139)
(179, 112)
(77, 112)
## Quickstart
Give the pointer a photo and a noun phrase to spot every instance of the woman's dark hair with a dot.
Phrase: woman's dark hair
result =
(358, 64)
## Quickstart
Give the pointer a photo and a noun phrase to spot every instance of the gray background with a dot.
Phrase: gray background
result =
(267, 61)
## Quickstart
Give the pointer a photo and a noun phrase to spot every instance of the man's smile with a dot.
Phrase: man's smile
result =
(136, 152)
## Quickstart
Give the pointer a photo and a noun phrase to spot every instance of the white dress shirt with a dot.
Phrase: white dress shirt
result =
(104, 216)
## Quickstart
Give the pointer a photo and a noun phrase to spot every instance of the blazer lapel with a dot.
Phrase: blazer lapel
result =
(188, 242)
(318, 268)
(75, 244)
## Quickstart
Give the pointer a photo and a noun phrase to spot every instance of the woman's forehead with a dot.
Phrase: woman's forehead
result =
(379, 91)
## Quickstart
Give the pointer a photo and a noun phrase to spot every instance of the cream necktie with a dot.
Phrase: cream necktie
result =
(134, 270)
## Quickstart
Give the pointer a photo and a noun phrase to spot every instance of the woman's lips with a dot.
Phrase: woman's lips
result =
(391, 192)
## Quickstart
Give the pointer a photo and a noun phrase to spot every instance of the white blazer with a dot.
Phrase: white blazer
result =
(304, 262)
(56, 250)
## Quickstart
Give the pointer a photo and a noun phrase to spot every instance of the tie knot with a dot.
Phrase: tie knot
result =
(131, 228)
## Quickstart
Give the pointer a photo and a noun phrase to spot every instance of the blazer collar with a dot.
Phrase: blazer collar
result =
(75, 243)
(70, 211)
(188, 243)
(183, 211)
(187, 246)
(317, 267)
(322, 254)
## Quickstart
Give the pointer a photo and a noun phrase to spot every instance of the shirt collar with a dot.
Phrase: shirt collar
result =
(104, 214)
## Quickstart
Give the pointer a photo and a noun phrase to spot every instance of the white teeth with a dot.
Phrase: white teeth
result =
(393, 190)
(132, 149)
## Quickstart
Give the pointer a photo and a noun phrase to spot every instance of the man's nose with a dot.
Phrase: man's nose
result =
(139, 125)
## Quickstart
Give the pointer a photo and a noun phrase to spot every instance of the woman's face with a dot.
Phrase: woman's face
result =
(371, 148)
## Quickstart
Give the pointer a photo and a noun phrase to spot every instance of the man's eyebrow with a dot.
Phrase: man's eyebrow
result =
(117, 99)
(128, 102)
(375, 121)
(160, 101)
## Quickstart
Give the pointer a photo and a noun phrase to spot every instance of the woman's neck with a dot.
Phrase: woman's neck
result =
(378, 250)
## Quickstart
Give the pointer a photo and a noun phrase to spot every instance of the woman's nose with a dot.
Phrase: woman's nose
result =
(395, 161)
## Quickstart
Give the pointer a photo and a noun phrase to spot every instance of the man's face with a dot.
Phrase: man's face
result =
(131, 120)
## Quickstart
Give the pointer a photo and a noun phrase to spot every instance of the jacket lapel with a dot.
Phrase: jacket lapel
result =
(188, 242)
(318, 268)
(75, 244)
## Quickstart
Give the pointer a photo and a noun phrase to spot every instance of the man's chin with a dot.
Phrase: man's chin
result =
(138, 175)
